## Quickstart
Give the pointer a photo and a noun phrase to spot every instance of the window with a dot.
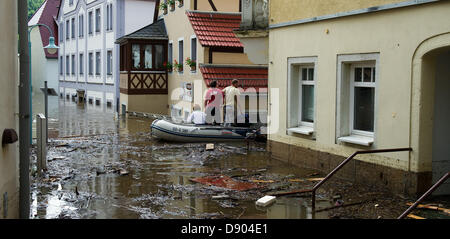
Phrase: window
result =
(194, 49)
(73, 64)
(91, 63)
(61, 32)
(81, 63)
(67, 65)
(73, 28)
(362, 98)
(301, 95)
(148, 57)
(180, 53)
(357, 79)
(97, 63)
(81, 26)
(61, 65)
(109, 63)
(170, 53)
(159, 56)
(70, 2)
(109, 18)
(90, 22)
(136, 56)
(67, 30)
(97, 20)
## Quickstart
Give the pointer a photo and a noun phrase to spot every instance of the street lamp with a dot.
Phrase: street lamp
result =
(51, 49)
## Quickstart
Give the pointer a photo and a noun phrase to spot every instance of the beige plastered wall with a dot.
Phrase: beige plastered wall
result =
(156, 104)
(396, 35)
(291, 10)
(9, 158)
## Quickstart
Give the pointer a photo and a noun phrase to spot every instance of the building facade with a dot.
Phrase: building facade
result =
(9, 153)
(44, 65)
(361, 75)
(88, 55)
(202, 31)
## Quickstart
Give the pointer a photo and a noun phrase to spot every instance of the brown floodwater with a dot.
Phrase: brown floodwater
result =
(89, 147)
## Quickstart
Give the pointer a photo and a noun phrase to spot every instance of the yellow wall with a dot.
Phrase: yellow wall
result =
(395, 35)
(290, 10)
(156, 104)
(230, 58)
(9, 159)
(221, 5)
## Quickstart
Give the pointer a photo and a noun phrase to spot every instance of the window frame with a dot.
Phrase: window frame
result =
(294, 119)
(73, 64)
(98, 20)
(81, 63)
(303, 82)
(91, 23)
(98, 67)
(109, 61)
(181, 54)
(353, 85)
(345, 98)
(67, 30)
(194, 53)
(91, 63)
(72, 26)
(81, 26)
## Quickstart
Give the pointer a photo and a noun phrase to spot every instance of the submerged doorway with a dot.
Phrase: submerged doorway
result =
(441, 121)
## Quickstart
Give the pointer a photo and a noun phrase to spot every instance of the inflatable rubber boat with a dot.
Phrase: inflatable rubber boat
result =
(176, 132)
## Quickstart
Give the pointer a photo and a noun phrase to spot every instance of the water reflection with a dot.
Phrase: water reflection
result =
(157, 183)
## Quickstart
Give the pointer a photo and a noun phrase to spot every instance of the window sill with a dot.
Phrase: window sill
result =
(357, 139)
(305, 130)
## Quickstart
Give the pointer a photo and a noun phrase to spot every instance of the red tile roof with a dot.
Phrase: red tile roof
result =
(48, 18)
(215, 29)
(248, 76)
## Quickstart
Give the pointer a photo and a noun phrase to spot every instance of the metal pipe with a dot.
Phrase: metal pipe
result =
(46, 111)
(345, 162)
(24, 112)
(431, 190)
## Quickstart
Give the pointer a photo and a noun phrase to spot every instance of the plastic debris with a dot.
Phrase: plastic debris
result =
(265, 201)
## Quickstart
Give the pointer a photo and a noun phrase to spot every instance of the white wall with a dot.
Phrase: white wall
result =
(138, 14)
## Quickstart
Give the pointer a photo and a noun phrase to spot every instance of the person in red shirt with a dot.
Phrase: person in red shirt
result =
(213, 103)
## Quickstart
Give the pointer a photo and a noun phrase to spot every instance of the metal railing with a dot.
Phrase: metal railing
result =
(313, 191)
(434, 187)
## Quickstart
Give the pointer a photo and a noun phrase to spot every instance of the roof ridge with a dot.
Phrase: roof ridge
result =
(215, 13)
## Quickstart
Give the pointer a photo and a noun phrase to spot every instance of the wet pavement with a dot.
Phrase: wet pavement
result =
(101, 166)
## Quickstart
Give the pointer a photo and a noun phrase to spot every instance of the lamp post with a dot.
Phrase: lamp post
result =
(51, 49)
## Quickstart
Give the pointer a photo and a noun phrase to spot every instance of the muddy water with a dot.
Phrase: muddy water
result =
(104, 167)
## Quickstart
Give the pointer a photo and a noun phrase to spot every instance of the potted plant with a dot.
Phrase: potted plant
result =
(178, 66)
(191, 63)
(168, 66)
(163, 6)
(180, 3)
(171, 4)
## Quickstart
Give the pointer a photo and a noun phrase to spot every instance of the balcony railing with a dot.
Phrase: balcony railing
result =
(143, 82)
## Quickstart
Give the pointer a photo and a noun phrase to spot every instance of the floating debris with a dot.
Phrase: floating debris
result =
(265, 201)
(225, 182)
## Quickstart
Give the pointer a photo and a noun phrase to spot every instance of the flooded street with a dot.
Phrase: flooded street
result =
(103, 167)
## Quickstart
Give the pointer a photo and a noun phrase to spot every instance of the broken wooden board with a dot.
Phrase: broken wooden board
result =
(422, 206)
(262, 181)
(223, 181)
(315, 179)
(414, 216)
(296, 180)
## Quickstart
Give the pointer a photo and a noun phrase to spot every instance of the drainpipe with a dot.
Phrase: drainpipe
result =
(24, 112)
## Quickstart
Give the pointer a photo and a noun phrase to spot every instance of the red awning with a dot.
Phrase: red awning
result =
(248, 76)
(215, 29)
